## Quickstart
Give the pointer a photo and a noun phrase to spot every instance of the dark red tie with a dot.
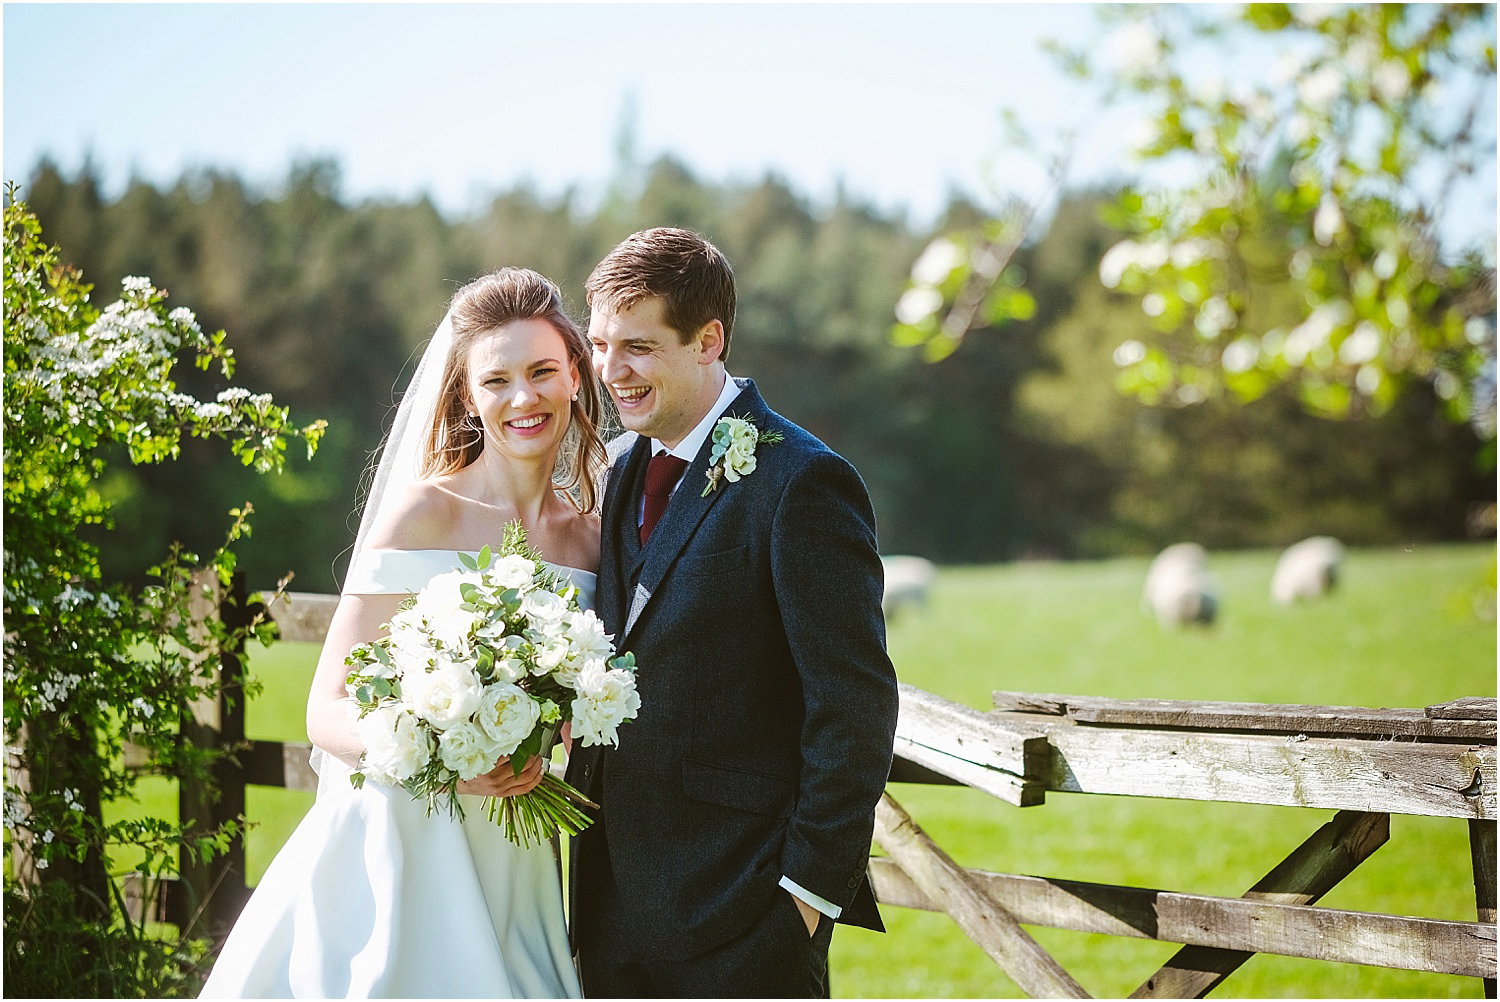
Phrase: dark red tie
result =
(662, 474)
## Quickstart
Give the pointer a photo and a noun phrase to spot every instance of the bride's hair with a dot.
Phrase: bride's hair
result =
(505, 297)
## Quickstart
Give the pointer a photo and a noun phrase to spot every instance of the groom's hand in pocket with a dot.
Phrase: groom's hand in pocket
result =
(810, 915)
(502, 781)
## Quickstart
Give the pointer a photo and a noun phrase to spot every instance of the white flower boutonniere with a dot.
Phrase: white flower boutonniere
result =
(735, 441)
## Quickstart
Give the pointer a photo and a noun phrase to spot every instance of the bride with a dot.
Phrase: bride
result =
(372, 897)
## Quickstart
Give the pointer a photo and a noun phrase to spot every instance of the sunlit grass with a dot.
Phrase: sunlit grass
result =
(1400, 631)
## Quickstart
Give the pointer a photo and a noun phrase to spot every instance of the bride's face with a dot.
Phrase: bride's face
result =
(521, 387)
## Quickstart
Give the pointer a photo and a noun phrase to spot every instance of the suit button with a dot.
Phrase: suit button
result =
(853, 882)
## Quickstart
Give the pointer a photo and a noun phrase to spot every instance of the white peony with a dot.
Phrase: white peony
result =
(585, 632)
(468, 750)
(397, 747)
(506, 716)
(444, 696)
(606, 698)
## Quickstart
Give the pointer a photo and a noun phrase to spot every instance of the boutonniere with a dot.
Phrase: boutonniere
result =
(733, 456)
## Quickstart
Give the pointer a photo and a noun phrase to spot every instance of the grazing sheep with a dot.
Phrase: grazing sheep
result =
(1306, 570)
(906, 582)
(1179, 590)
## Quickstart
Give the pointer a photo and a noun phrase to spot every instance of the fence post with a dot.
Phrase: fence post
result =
(1482, 850)
(214, 891)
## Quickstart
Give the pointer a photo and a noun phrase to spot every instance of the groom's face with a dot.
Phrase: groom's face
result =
(661, 386)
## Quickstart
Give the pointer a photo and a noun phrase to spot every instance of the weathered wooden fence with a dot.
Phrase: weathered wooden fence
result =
(1366, 764)
(206, 897)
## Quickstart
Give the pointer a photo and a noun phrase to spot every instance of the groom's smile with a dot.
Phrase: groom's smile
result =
(661, 386)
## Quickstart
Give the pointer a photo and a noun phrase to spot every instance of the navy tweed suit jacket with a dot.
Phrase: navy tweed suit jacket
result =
(768, 703)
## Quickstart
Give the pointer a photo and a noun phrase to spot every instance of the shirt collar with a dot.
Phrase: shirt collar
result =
(688, 448)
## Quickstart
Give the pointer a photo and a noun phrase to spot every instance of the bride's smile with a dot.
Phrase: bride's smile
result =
(521, 388)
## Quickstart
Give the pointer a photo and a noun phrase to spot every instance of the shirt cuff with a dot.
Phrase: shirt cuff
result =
(826, 907)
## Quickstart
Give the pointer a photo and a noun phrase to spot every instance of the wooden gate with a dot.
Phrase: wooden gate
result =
(1366, 764)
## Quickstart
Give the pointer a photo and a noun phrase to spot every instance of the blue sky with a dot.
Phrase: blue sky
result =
(900, 102)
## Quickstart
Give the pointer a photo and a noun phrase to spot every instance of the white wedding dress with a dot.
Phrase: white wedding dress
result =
(373, 898)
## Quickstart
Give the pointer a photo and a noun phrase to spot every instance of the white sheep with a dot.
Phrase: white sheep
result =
(1179, 590)
(1307, 570)
(906, 582)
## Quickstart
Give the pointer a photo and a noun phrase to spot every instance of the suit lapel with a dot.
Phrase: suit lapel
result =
(686, 511)
(618, 519)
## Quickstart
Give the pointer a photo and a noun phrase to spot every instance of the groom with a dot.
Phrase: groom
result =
(736, 814)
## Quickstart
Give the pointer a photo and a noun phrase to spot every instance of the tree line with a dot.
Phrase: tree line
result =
(1016, 445)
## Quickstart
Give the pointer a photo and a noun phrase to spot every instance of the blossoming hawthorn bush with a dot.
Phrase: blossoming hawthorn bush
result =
(86, 662)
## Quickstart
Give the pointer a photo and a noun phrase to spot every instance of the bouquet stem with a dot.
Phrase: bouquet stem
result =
(534, 817)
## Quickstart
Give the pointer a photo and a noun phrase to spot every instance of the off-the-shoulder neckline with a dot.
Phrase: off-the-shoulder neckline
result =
(472, 553)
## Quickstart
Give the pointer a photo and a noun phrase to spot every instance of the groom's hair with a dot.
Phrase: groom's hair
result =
(692, 278)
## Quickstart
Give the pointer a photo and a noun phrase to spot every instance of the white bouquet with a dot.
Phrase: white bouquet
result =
(488, 660)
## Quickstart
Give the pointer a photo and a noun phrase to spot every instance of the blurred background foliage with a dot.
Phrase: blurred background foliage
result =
(1016, 445)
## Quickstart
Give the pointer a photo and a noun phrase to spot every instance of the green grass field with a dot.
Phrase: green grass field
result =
(1400, 631)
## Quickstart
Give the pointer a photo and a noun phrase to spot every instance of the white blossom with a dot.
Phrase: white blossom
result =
(1134, 48)
(1328, 221)
(1240, 355)
(506, 715)
(1362, 344)
(512, 571)
(445, 695)
(397, 747)
(1319, 88)
(1214, 317)
(917, 304)
(1392, 80)
(468, 750)
(16, 809)
(937, 262)
(543, 607)
(1314, 332)
(606, 698)
(1129, 353)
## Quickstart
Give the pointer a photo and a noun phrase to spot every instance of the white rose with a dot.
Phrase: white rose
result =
(397, 746)
(506, 715)
(739, 452)
(550, 651)
(444, 696)
(739, 462)
(606, 698)
(543, 607)
(468, 750)
(512, 572)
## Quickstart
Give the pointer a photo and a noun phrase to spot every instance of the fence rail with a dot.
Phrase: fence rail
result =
(1437, 761)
